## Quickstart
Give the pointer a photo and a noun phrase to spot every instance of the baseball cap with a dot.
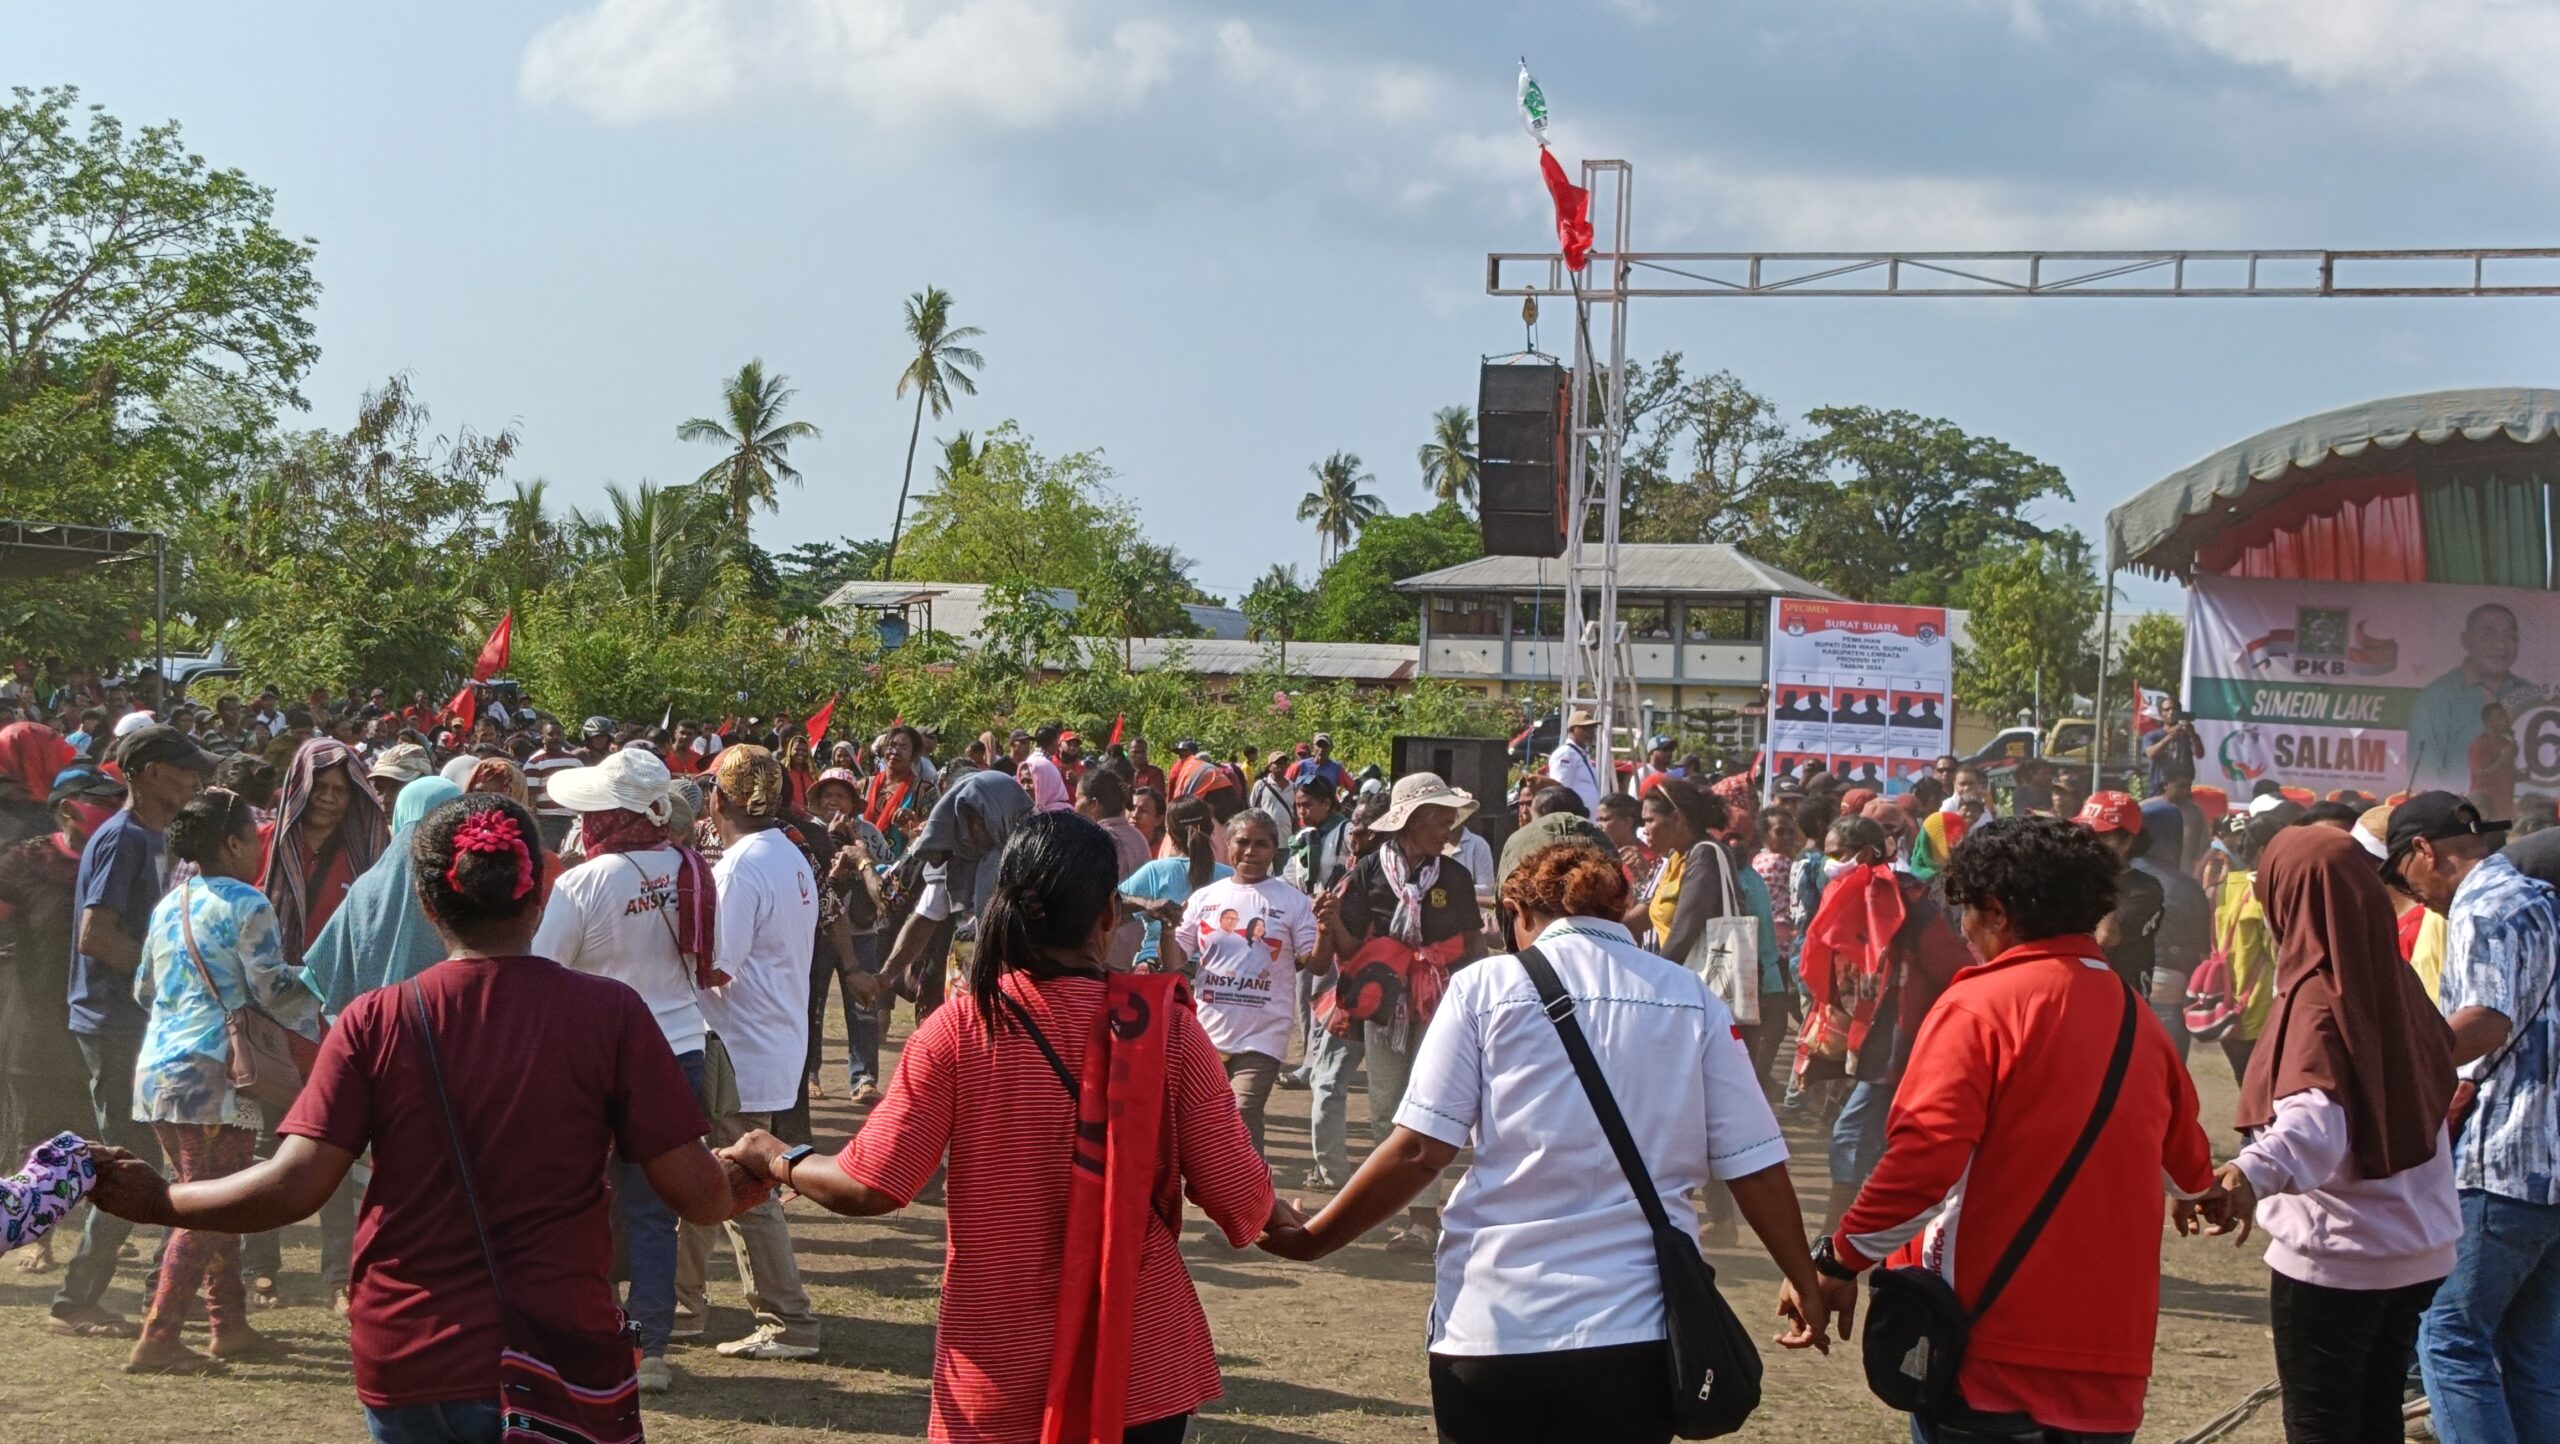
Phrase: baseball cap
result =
(133, 722)
(629, 780)
(1661, 743)
(1324, 739)
(85, 782)
(1018, 735)
(2433, 817)
(159, 742)
(2111, 812)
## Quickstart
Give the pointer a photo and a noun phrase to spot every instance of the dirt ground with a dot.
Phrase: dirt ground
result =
(1329, 1353)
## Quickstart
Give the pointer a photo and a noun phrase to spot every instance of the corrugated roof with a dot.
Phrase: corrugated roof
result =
(2159, 530)
(1687, 569)
(1344, 661)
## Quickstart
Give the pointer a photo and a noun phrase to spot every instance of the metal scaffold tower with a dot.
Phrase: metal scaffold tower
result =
(1594, 670)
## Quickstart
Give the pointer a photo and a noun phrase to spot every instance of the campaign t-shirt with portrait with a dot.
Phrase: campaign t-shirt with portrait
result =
(1245, 940)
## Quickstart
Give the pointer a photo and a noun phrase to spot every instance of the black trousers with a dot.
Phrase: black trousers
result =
(2342, 1356)
(1615, 1395)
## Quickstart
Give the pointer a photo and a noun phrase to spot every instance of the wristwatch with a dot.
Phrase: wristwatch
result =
(1827, 1262)
(790, 1161)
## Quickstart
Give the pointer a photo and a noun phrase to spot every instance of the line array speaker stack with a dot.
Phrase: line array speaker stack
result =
(1520, 449)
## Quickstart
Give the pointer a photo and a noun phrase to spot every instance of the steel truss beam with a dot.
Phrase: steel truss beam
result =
(2147, 275)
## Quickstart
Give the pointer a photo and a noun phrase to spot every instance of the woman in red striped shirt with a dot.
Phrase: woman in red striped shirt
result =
(1007, 1082)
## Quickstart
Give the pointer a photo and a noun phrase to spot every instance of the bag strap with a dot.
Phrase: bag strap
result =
(2108, 1087)
(1558, 1005)
(667, 914)
(1022, 1015)
(187, 930)
(1725, 865)
(453, 1132)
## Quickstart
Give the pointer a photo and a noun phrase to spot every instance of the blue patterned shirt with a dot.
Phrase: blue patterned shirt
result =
(2502, 943)
(183, 1075)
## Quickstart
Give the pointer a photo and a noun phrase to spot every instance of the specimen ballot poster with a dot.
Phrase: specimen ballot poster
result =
(1863, 689)
(2380, 687)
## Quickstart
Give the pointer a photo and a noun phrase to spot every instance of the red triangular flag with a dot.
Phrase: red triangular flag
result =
(465, 706)
(1573, 211)
(493, 653)
(818, 724)
(1117, 723)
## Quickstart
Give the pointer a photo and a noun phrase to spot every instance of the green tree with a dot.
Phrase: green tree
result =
(959, 455)
(1138, 591)
(351, 556)
(654, 550)
(1356, 599)
(1278, 608)
(941, 363)
(1018, 516)
(1338, 506)
(1448, 459)
(152, 322)
(811, 571)
(2153, 654)
(1897, 507)
(2033, 612)
(1703, 456)
(757, 438)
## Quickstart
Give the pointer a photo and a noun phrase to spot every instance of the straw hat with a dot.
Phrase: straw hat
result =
(1580, 717)
(1422, 789)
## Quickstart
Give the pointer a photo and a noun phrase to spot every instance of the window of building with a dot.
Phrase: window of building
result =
(1466, 616)
(1725, 621)
(1539, 618)
(1646, 621)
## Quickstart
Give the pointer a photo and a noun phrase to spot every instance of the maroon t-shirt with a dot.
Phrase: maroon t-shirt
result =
(547, 1069)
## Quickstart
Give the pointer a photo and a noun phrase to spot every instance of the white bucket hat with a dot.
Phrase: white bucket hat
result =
(631, 780)
(1422, 789)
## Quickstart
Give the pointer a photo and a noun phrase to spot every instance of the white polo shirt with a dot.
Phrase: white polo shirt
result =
(1542, 1245)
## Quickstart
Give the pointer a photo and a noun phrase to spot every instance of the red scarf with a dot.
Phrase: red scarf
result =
(1848, 957)
(31, 754)
(876, 809)
(697, 926)
(1121, 1173)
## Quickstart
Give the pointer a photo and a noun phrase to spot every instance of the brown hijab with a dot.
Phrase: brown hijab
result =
(2351, 1018)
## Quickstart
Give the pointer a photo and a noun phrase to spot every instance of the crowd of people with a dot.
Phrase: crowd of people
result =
(548, 1008)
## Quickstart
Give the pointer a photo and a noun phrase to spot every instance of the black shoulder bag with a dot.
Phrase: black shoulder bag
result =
(1917, 1328)
(1715, 1368)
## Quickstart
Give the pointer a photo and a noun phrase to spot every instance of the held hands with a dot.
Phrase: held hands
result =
(1840, 1298)
(756, 1153)
(2230, 1204)
(128, 1188)
(1810, 1316)
(746, 1189)
(1286, 1236)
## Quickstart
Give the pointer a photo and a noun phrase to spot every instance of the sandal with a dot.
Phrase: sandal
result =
(93, 1324)
(264, 1294)
(177, 1359)
(248, 1343)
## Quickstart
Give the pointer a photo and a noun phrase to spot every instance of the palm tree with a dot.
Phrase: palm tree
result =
(759, 440)
(647, 547)
(1338, 506)
(940, 364)
(959, 454)
(1449, 457)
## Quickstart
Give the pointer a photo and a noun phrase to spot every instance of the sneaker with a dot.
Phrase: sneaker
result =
(687, 1329)
(1318, 1178)
(1412, 1240)
(767, 1342)
(1296, 1081)
(655, 1376)
(865, 1093)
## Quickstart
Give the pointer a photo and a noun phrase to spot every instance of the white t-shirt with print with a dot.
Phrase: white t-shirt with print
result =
(1246, 939)
(768, 929)
(614, 916)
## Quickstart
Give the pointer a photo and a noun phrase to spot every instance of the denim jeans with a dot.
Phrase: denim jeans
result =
(2490, 1344)
(2169, 1004)
(110, 1057)
(467, 1422)
(1330, 1063)
(1857, 1135)
(650, 1226)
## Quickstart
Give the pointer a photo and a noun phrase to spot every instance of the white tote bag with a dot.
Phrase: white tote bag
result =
(1727, 953)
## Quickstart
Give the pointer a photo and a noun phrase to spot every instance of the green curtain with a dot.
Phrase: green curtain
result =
(2486, 530)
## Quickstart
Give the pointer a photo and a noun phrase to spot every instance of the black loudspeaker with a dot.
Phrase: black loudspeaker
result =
(1521, 410)
(1478, 765)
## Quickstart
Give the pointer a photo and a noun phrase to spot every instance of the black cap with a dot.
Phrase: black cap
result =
(2433, 816)
(1019, 735)
(159, 742)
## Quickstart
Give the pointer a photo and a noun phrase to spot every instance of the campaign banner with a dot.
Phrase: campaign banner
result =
(2381, 687)
(1862, 688)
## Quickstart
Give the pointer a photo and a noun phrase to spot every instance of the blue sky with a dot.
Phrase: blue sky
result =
(1221, 241)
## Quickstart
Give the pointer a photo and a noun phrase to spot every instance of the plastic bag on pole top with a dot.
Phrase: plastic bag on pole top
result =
(1533, 104)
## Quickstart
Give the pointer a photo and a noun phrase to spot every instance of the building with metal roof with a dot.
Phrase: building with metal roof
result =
(1696, 617)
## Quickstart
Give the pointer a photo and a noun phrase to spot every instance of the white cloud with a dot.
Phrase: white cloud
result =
(1696, 198)
(2395, 46)
(1007, 63)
